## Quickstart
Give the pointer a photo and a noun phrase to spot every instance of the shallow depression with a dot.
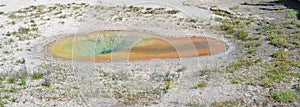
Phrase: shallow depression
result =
(130, 45)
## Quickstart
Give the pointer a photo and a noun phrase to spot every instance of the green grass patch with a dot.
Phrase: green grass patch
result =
(284, 96)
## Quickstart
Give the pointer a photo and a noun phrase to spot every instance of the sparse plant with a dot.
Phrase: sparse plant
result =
(218, 19)
(23, 82)
(268, 83)
(292, 13)
(242, 35)
(234, 8)
(227, 28)
(168, 81)
(37, 75)
(21, 61)
(201, 84)
(117, 94)
(252, 82)
(46, 83)
(119, 18)
(222, 13)
(279, 41)
(57, 13)
(6, 52)
(234, 66)
(229, 103)
(297, 87)
(173, 11)
(191, 20)
(258, 60)
(63, 16)
(6, 97)
(237, 81)
(168, 85)
(252, 50)
(149, 8)
(12, 89)
(248, 9)
(14, 100)
(12, 79)
(181, 69)
(23, 30)
(134, 9)
(149, 12)
(11, 40)
(281, 56)
(253, 44)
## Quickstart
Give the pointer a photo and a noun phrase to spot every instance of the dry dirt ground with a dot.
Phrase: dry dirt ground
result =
(260, 67)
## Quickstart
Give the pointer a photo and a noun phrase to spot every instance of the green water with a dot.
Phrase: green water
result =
(105, 43)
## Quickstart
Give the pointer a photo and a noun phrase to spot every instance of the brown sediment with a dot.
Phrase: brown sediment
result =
(149, 47)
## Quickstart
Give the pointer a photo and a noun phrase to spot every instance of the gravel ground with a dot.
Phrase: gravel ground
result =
(122, 83)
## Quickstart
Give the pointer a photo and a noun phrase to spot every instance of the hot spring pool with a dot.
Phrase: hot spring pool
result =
(130, 45)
